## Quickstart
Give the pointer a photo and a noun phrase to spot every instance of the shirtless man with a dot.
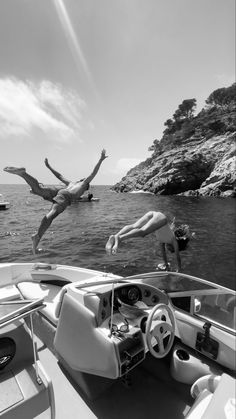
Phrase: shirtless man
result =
(61, 197)
(46, 192)
(175, 239)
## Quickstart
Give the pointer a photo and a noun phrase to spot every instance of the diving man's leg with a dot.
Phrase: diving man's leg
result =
(32, 182)
(147, 224)
(14, 170)
(128, 231)
(44, 225)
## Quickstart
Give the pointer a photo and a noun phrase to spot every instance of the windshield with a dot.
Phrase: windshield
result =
(197, 297)
(173, 282)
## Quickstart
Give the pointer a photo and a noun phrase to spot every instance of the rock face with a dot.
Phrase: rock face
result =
(198, 159)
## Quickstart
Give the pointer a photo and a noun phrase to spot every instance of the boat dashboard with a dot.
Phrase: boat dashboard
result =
(130, 300)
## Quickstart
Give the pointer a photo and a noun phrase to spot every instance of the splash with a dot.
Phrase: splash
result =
(9, 234)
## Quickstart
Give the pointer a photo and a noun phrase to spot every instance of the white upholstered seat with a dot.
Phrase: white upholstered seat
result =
(52, 295)
(202, 391)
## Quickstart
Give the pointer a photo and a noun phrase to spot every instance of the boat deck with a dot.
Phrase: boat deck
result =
(145, 396)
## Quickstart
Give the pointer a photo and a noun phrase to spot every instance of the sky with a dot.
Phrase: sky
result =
(77, 76)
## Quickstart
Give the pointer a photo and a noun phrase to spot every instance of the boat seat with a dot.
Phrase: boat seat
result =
(209, 382)
(202, 391)
(52, 295)
(200, 405)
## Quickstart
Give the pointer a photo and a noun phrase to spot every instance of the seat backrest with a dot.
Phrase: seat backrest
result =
(200, 405)
(214, 395)
(209, 382)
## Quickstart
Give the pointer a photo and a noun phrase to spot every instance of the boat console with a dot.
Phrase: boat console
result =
(102, 326)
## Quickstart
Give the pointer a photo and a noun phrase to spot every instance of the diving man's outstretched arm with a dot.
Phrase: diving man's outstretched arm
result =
(89, 178)
(57, 174)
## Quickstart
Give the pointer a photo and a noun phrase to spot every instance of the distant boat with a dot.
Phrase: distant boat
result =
(86, 198)
(4, 205)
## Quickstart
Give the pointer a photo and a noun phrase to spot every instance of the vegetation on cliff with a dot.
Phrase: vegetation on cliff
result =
(196, 154)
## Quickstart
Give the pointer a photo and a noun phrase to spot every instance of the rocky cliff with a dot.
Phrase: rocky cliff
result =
(195, 156)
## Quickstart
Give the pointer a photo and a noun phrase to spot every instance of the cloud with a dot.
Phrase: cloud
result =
(28, 108)
(125, 164)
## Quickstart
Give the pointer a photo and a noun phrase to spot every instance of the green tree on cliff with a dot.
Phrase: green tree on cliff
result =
(155, 146)
(184, 113)
(222, 96)
(170, 126)
(208, 122)
(185, 110)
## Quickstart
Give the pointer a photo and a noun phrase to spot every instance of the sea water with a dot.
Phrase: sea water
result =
(77, 237)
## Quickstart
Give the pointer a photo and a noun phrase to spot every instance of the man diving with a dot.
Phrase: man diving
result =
(61, 196)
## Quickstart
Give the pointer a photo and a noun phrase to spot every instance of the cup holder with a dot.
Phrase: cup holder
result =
(186, 367)
(182, 355)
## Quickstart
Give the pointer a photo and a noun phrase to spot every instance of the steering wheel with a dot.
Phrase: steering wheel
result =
(159, 332)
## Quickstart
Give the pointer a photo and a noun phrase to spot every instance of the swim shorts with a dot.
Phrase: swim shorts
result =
(49, 193)
(63, 199)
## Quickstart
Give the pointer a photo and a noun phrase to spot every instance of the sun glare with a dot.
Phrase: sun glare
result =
(73, 41)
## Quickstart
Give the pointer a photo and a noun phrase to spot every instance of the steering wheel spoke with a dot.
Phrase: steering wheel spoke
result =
(168, 328)
(160, 343)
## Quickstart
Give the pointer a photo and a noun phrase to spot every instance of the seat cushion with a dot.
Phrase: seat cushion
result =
(52, 295)
(200, 405)
(209, 382)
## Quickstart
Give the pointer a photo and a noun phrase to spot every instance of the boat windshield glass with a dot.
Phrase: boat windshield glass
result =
(174, 282)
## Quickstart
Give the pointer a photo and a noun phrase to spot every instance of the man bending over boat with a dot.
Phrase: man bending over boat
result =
(173, 238)
(60, 196)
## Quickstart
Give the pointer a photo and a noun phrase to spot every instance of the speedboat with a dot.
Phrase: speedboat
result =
(76, 342)
(87, 199)
(4, 205)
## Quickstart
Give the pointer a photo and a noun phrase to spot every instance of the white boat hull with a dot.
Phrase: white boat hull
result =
(74, 320)
(4, 206)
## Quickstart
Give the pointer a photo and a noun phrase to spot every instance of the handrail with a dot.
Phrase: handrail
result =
(21, 316)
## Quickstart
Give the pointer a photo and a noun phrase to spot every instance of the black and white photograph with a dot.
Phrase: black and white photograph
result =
(117, 209)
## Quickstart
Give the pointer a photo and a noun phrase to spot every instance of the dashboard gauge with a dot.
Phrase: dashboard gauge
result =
(133, 295)
(127, 295)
